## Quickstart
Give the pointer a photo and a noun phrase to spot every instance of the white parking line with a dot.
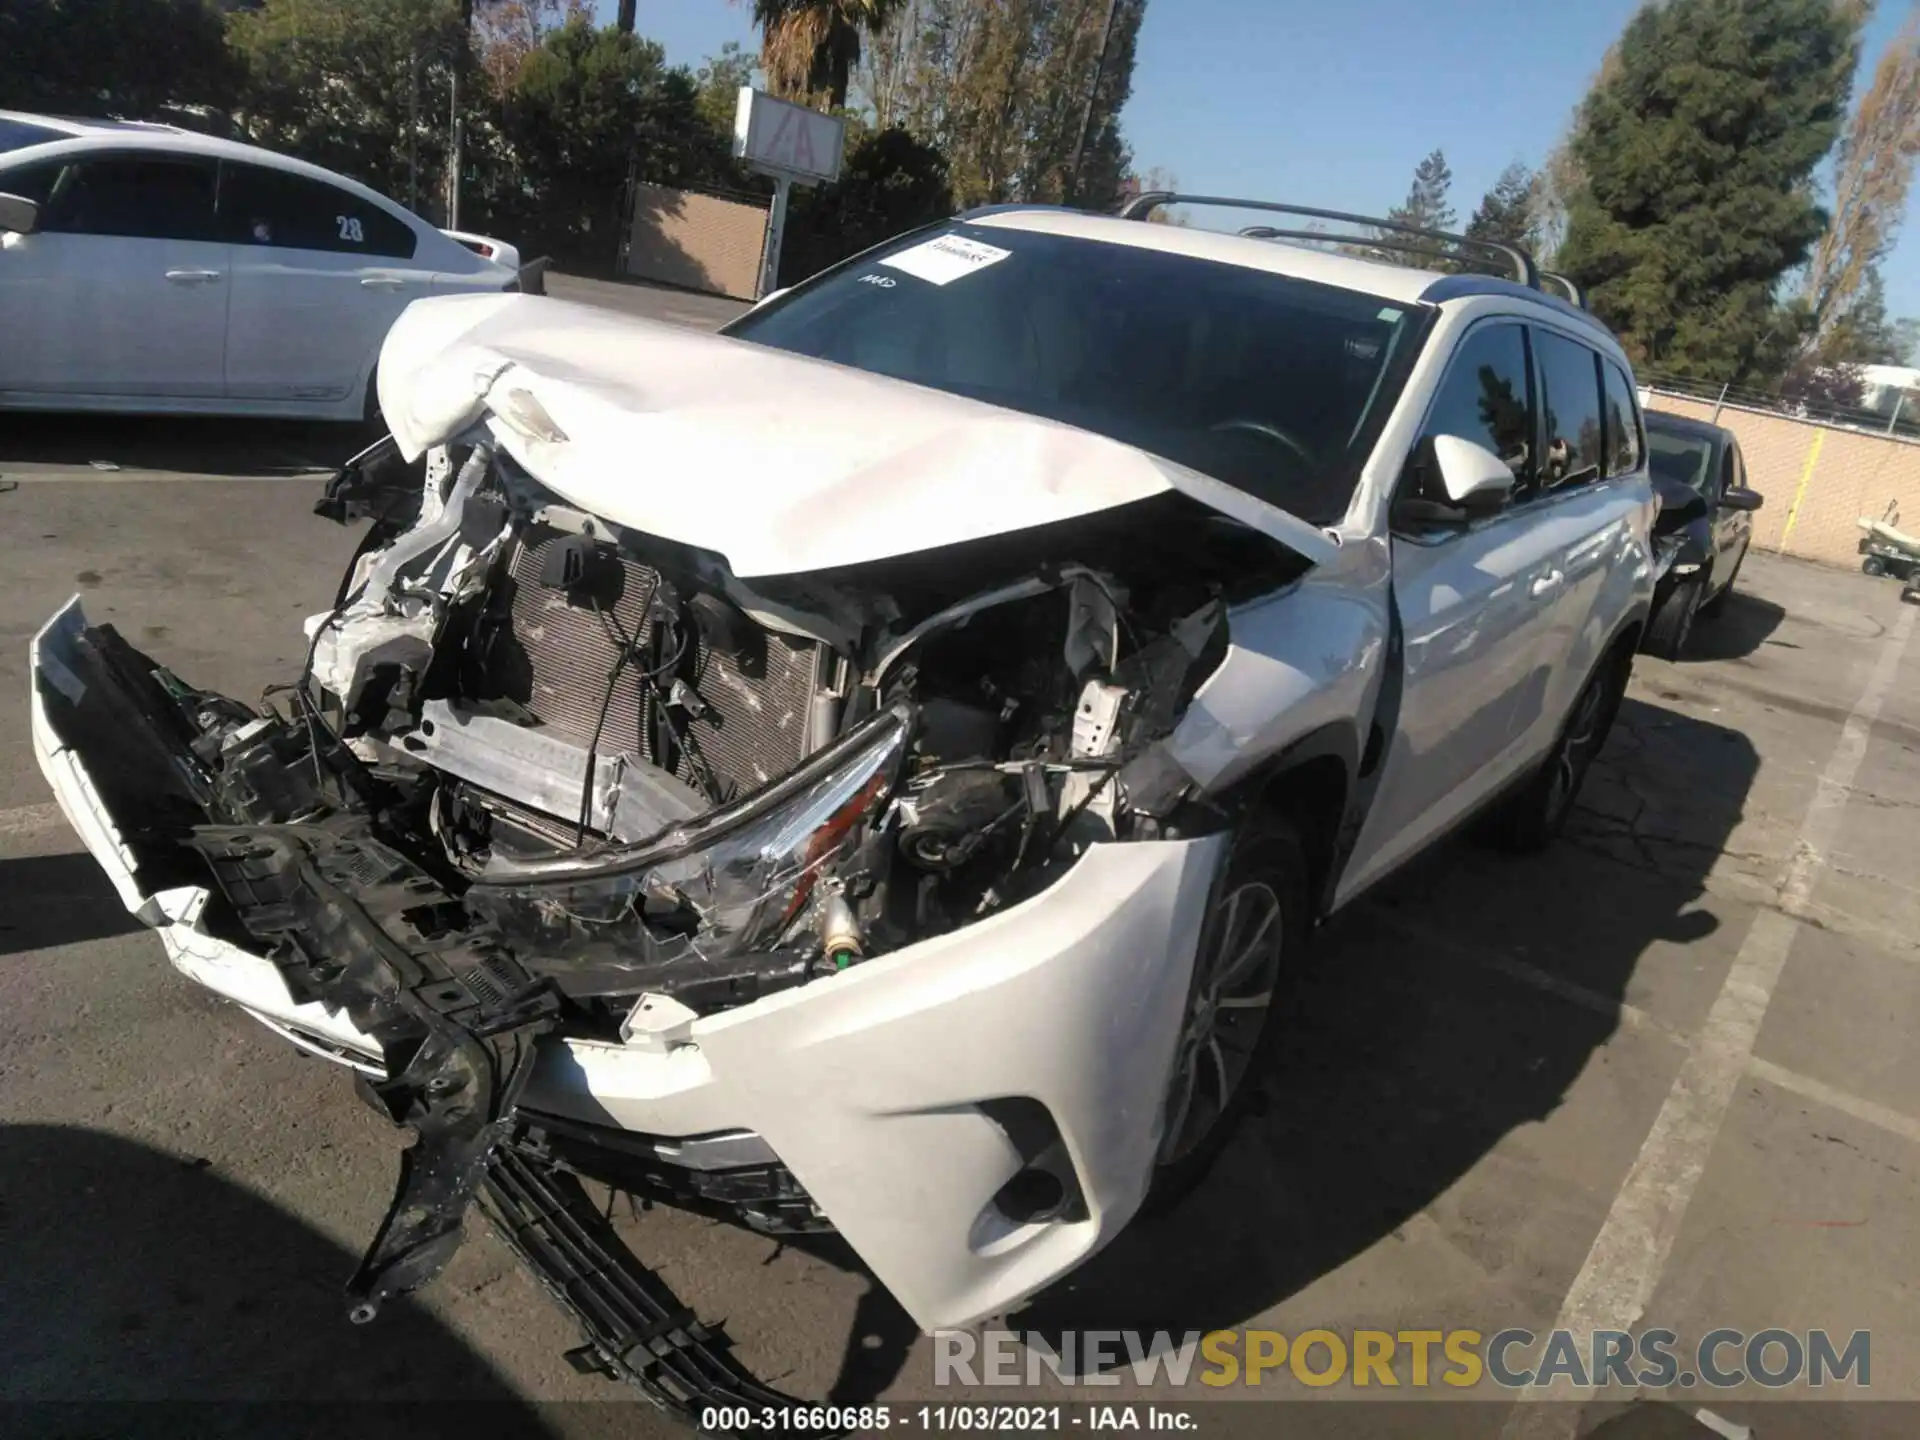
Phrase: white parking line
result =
(1630, 1252)
(1633, 1017)
(1533, 976)
(1809, 1088)
(28, 819)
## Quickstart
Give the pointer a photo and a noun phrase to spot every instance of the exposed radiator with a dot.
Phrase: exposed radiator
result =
(556, 652)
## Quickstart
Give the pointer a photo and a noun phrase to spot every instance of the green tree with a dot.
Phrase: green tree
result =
(1025, 97)
(719, 82)
(360, 86)
(810, 47)
(507, 31)
(1873, 171)
(131, 59)
(1506, 212)
(890, 183)
(1696, 152)
(1427, 205)
(1865, 334)
(587, 108)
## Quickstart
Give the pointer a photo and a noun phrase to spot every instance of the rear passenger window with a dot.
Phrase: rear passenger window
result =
(147, 197)
(275, 208)
(1624, 445)
(1570, 378)
(1486, 397)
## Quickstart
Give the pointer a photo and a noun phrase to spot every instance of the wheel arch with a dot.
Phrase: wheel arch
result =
(1314, 784)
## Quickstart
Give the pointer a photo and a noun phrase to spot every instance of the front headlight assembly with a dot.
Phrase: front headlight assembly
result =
(742, 873)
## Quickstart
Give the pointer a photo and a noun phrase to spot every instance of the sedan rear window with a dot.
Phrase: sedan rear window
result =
(262, 206)
(1683, 459)
(1265, 381)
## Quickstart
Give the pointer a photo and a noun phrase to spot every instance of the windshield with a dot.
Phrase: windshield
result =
(1266, 382)
(17, 135)
(1683, 459)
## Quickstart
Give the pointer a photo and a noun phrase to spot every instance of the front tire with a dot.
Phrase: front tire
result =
(1672, 622)
(1531, 818)
(1257, 922)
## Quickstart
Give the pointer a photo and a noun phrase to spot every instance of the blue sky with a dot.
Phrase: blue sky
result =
(1333, 105)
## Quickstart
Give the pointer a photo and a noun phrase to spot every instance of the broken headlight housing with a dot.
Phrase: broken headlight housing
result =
(740, 877)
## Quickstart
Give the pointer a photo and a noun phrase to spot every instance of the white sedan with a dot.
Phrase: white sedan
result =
(149, 269)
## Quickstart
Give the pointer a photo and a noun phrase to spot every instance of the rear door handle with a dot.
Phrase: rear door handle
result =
(382, 282)
(193, 277)
(1546, 584)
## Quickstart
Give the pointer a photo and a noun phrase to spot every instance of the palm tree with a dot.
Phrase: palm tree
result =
(809, 46)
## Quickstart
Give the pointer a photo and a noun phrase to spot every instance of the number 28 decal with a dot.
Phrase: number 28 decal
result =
(350, 228)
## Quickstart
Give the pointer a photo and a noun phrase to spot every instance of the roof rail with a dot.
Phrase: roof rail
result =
(1567, 286)
(1389, 234)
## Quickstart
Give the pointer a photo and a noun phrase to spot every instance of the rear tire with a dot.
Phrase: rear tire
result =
(1529, 819)
(1873, 565)
(1257, 922)
(1672, 623)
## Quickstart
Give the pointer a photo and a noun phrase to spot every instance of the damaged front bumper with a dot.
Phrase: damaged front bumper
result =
(975, 1113)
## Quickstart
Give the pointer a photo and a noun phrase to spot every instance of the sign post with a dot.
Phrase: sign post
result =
(791, 145)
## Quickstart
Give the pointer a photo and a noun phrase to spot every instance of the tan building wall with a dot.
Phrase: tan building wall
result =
(700, 242)
(1819, 481)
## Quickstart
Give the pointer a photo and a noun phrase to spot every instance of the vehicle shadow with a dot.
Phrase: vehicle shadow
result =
(179, 444)
(1742, 627)
(147, 1294)
(48, 900)
(1424, 1030)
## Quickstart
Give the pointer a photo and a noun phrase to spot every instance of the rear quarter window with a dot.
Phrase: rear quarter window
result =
(285, 211)
(1626, 445)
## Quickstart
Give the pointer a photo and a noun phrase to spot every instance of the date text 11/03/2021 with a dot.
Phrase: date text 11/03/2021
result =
(982, 1419)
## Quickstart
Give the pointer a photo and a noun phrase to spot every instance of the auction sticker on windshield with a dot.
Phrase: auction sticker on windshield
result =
(942, 261)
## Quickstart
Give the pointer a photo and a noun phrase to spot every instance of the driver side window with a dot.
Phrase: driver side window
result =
(1487, 397)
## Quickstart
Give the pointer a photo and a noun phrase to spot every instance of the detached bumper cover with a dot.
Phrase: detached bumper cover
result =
(903, 1094)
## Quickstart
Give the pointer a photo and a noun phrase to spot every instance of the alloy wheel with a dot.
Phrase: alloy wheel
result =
(1233, 989)
(1578, 745)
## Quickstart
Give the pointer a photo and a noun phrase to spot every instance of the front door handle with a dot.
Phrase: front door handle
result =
(1546, 584)
(382, 282)
(193, 277)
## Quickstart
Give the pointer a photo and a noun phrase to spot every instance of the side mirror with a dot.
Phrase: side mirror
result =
(1475, 479)
(19, 214)
(1738, 497)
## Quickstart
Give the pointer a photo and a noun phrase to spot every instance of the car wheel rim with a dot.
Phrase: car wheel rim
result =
(1576, 746)
(1232, 991)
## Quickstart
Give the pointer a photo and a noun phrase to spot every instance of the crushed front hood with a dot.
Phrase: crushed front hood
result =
(780, 463)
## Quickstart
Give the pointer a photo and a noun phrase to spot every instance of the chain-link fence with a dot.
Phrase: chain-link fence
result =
(1821, 476)
(1847, 401)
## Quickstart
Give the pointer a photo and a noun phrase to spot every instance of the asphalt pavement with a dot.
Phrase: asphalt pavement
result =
(1662, 1075)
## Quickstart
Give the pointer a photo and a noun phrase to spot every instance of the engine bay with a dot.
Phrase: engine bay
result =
(654, 778)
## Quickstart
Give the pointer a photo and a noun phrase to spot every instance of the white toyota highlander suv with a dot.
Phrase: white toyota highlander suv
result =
(865, 770)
